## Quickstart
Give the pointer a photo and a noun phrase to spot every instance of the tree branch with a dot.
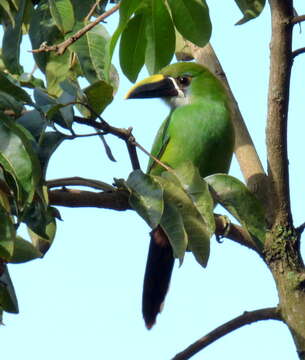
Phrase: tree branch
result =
(298, 52)
(118, 200)
(79, 181)
(298, 19)
(61, 48)
(278, 100)
(248, 317)
(245, 151)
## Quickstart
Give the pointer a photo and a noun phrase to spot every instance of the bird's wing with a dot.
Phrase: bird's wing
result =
(160, 143)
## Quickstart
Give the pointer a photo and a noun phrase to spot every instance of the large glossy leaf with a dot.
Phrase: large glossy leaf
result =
(250, 9)
(23, 251)
(191, 18)
(233, 195)
(160, 35)
(12, 39)
(63, 15)
(197, 231)
(8, 299)
(132, 47)
(18, 158)
(7, 234)
(127, 8)
(6, 85)
(90, 50)
(146, 197)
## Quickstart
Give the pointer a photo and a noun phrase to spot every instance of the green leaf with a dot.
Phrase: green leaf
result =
(197, 231)
(30, 81)
(127, 8)
(234, 196)
(132, 47)
(57, 70)
(34, 122)
(146, 197)
(198, 190)
(8, 299)
(7, 234)
(160, 35)
(63, 15)
(47, 146)
(42, 241)
(6, 6)
(12, 39)
(172, 224)
(99, 96)
(24, 251)
(6, 85)
(43, 29)
(18, 158)
(90, 50)
(8, 102)
(191, 18)
(250, 9)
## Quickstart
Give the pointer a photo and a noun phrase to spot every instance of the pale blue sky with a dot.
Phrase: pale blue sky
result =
(83, 300)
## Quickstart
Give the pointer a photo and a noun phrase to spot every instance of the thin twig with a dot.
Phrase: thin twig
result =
(61, 48)
(298, 52)
(248, 317)
(87, 18)
(79, 181)
(298, 19)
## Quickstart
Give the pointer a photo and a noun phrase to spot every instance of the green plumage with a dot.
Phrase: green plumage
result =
(198, 129)
(201, 130)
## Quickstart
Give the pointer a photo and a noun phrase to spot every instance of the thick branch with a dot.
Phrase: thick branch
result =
(278, 99)
(118, 200)
(248, 317)
(245, 151)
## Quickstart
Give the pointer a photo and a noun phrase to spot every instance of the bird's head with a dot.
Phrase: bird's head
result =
(175, 83)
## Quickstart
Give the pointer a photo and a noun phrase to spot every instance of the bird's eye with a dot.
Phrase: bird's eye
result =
(184, 80)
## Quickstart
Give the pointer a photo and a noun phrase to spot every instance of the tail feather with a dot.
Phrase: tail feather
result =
(159, 266)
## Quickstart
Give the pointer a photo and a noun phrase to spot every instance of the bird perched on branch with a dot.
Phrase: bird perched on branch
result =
(197, 129)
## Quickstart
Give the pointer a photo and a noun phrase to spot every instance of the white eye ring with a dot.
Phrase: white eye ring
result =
(179, 91)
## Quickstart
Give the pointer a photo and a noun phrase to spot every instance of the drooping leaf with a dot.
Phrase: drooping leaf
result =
(160, 36)
(48, 144)
(198, 190)
(191, 18)
(18, 158)
(6, 85)
(24, 251)
(8, 299)
(34, 122)
(250, 9)
(6, 7)
(197, 231)
(43, 242)
(7, 234)
(12, 39)
(99, 96)
(146, 197)
(63, 15)
(132, 47)
(172, 224)
(234, 196)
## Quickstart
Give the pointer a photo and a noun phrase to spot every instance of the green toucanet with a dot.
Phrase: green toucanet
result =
(198, 129)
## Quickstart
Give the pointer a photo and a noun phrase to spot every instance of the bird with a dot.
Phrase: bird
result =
(199, 130)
